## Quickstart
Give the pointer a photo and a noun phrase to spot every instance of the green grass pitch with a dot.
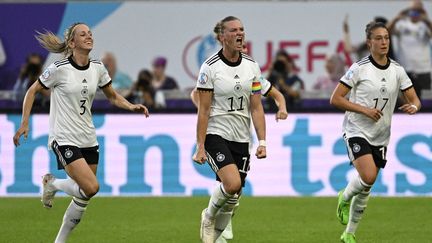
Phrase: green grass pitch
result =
(177, 219)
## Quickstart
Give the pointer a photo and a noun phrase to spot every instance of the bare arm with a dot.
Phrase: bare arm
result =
(346, 37)
(258, 119)
(195, 97)
(413, 104)
(279, 99)
(26, 110)
(121, 102)
(339, 100)
(205, 98)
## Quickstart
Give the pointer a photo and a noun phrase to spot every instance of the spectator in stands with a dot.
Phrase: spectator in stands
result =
(283, 75)
(413, 30)
(335, 68)
(144, 93)
(360, 50)
(121, 82)
(161, 81)
(29, 73)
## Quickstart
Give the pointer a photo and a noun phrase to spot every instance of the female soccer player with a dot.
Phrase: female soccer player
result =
(374, 82)
(73, 82)
(229, 94)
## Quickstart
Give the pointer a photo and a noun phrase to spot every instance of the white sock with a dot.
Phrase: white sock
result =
(358, 206)
(354, 187)
(217, 200)
(70, 187)
(71, 218)
(223, 216)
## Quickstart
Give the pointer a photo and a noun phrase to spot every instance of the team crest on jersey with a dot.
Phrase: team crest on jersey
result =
(68, 154)
(46, 74)
(220, 157)
(383, 90)
(202, 78)
(356, 148)
(84, 91)
(238, 87)
(349, 74)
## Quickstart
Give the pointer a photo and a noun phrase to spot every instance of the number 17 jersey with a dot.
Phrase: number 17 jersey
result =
(373, 86)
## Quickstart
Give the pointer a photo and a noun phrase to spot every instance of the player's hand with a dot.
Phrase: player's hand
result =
(281, 115)
(199, 156)
(373, 114)
(409, 108)
(22, 130)
(261, 152)
(140, 109)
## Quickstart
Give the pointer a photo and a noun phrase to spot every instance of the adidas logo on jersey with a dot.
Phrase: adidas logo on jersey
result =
(84, 81)
(236, 77)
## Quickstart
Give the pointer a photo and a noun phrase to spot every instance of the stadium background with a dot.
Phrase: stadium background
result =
(153, 156)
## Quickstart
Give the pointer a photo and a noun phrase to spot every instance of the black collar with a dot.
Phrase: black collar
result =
(227, 62)
(379, 66)
(75, 65)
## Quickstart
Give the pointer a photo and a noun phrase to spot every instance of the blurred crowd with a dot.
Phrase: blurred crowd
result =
(411, 35)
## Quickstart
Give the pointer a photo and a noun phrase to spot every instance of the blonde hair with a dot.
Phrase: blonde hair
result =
(220, 26)
(52, 43)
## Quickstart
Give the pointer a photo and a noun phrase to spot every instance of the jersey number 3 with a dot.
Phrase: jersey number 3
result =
(83, 107)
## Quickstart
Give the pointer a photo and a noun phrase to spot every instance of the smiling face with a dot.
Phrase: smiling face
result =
(233, 35)
(82, 38)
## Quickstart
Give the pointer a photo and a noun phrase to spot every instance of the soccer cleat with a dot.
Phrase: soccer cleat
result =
(348, 238)
(343, 208)
(228, 233)
(48, 191)
(207, 233)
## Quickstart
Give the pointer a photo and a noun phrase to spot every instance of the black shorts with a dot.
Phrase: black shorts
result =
(67, 154)
(358, 146)
(221, 152)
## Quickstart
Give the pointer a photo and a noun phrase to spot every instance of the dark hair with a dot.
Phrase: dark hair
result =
(371, 26)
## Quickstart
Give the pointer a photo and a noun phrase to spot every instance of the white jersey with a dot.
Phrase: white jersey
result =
(373, 86)
(232, 85)
(414, 51)
(73, 89)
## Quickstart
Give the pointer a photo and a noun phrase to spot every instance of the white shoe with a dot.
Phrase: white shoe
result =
(48, 191)
(221, 239)
(228, 233)
(207, 228)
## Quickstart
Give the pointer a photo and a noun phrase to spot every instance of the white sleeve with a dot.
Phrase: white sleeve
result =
(48, 77)
(350, 78)
(104, 78)
(265, 85)
(404, 80)
(205, 79)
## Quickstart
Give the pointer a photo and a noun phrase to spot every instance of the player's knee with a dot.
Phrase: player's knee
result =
(91, 190)
(233, 186)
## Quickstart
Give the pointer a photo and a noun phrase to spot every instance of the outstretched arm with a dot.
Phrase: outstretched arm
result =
(119, 101)
(26, 109)
(258, 119)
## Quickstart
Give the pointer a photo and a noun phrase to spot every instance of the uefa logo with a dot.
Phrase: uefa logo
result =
(196, 52)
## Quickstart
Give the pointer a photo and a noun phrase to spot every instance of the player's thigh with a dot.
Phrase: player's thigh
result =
(82, 174)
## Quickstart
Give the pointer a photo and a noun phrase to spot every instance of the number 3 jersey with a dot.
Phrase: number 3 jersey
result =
(232, 84)
(73, 89)
(373, 86)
